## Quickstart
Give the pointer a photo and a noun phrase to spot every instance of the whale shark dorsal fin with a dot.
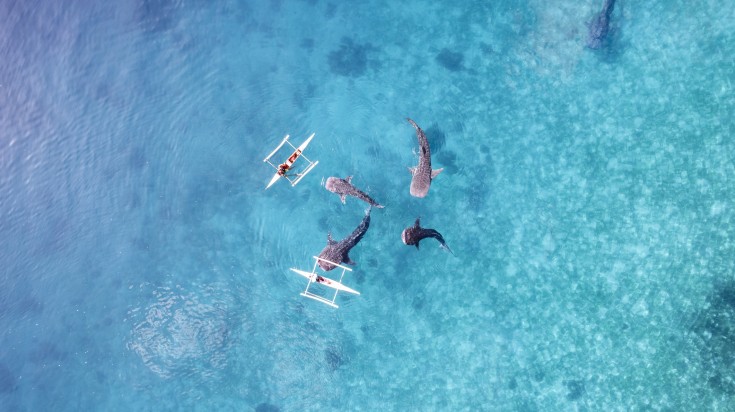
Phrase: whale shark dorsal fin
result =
(412, 170)
(330, 241)
(349, 179)
(343, 199)
(436, 172)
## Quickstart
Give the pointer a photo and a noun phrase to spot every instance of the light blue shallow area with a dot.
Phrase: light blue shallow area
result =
(587, 196)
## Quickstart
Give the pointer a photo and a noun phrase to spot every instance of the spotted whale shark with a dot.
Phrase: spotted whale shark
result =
(422, 173)
(344, 187)
(599, 27)
(338, 251)
(414, 234)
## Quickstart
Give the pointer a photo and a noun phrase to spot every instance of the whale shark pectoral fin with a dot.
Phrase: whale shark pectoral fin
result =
(412, 170)
(342, 197)
(435, 172)
(349, 261)
(417, 224)
(417, 245)
(348, 179)
(330, 241)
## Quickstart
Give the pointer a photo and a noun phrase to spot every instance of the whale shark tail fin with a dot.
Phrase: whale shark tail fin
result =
(444, 246)
(442, 243)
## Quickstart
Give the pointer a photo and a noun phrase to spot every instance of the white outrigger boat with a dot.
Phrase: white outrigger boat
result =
(283, 168)
(315, 278)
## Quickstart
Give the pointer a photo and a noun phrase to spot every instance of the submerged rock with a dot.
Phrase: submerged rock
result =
(8, 382)
(267, 407)
(452, 61)
(350, 59)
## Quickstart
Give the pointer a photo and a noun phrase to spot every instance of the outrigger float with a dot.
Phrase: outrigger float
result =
(285, 167)
(315, 278)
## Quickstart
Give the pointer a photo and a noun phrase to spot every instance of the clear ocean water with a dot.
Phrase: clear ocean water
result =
(587, 196)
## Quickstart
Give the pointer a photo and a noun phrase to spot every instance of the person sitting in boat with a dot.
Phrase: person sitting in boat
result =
(282, 169)
(320, 279)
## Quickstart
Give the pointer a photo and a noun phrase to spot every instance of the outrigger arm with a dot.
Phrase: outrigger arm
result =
(314, 278)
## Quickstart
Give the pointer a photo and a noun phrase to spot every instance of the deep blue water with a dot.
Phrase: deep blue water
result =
(586, 194)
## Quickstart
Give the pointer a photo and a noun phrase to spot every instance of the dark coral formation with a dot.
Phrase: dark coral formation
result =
(156, 16)
(576, 389)
(334, 358)
(8, 382)
(715, 327)
(450, 60)
(350, 59)
(267, 407)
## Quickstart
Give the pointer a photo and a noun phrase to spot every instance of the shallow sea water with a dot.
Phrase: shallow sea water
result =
(587, 196)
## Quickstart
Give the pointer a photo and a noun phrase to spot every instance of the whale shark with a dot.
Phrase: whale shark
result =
(422, 174)
(344, 187)
(338, 252)
(599, 27)
(414, 234)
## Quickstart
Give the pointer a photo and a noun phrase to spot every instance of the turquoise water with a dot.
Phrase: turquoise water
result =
(587, 197)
